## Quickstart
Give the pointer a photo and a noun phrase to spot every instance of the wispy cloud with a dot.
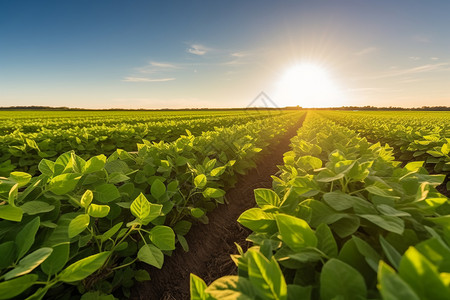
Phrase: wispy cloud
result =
(366, 51)
(197, 49)
(157, 67)
(414, 57)
(238, 58)
(163, 65)
(144, 79)
(416, 70)
(239, 54)
(434, 58)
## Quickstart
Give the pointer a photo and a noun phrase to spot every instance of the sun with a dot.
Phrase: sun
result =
(308, 85)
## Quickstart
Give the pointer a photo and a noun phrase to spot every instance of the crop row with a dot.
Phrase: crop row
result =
(81, 225)
(423, 137)
(23, 151)
(343, 221)
(29, 121)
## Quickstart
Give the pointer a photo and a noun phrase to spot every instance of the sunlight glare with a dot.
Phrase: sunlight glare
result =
(308, 85)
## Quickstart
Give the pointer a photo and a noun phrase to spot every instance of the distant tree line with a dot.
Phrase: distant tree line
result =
(368, 107)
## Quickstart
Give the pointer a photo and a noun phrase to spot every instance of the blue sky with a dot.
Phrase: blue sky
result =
(154, 54)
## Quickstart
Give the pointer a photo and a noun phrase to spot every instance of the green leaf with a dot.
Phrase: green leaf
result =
(392, 254)
(151, 255)
(437, 252)
(388, 210)
(218, 171)
(183, 242)
(370, 255)
(106, 193)
(7, 253)
(307, 255)
(326, 241)
(57, 260)
(78, 225)
(197, 288)
(29, 263)
(346, 225)
(155, 211)
(21, 178)
(257, 220)
(111, 232)
(36, 207)
(163, 237)
(86, 199)
(98, 295)
(182, 227)
(158, 189)
(197, 212)
(46, 167)
(375, 190)
(11, 213)
(13, 194)
(25, 238)
(338, 200)
(295, 232)
(200, 181)
(340, 281)
(140, 208)
(94, 164)
(12, 288)
(231, 287)
(392, 286)
(64, 183)
(84, 267)
(141, 275)
(266, 277)
(298, 292)
(117, 178)
(98, 211)
(392, 224)
(213, 193)
(309, 162)
(266, 198)
(422, 276)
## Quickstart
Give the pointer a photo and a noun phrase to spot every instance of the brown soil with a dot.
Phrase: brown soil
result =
(211, 244)
(443, 187)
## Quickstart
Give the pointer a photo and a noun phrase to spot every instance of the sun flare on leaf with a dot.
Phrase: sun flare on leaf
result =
(308, 85)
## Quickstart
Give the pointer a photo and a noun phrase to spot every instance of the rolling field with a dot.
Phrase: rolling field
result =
(120, 204)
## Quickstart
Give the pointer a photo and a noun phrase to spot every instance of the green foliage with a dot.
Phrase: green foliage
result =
(343, 221)
(83, 223)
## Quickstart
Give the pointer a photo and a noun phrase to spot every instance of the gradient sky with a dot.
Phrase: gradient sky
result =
(155, 54)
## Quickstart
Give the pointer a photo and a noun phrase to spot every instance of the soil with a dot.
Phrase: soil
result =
(211, 244)
(442, 188)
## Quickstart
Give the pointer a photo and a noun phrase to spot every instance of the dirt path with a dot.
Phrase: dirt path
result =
(211, 244)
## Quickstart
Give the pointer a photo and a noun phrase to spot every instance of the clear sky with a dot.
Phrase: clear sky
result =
(156, 54)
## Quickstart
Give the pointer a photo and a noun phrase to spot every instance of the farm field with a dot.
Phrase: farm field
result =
(343, 207)
(224, 150)
(130, 204)
(106, 214)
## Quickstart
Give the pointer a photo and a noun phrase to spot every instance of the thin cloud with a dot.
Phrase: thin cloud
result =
(197, 49)
(157, 67)
(163, 65)
(144, 79)
(239, 54)
(434, 58)
(366, 51)
(420, 69)
(414, 57)
(238, 58)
